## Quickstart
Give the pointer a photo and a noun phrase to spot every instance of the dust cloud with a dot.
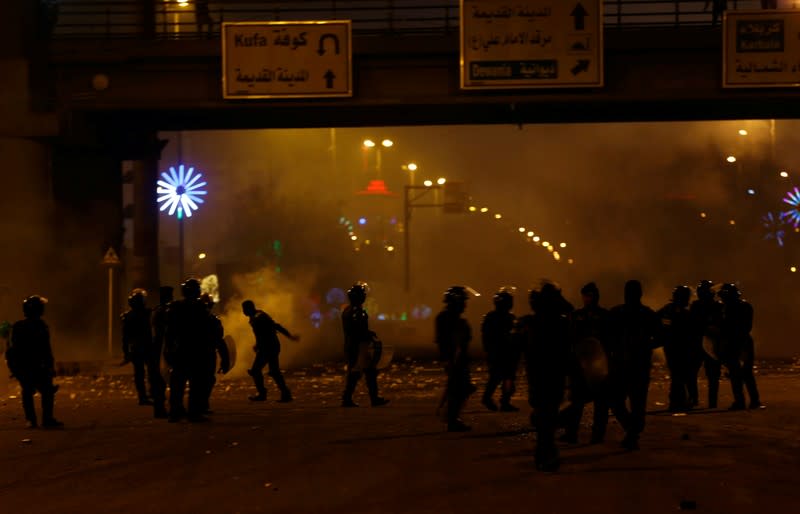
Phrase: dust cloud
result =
(626, 199)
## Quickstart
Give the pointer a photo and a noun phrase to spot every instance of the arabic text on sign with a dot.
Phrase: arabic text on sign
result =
(535, 38)
(511, 12)
(280, 37)
(272, 75)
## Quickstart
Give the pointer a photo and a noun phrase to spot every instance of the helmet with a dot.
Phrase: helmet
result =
(591, 289)
(729, 292)
(191, 289)
(165, 294)
(503, 300)
(681, 295)
(705, 289)
(548, 294)
(456, 295)
(137, 298)
(633, 292)
(207, 300)
(33, 306)
(357, 293)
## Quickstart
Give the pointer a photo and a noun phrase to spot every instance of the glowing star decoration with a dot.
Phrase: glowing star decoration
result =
(793, 198)
(775, 225)
(181, 191)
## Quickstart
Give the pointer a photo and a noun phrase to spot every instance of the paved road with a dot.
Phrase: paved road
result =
(313, 456)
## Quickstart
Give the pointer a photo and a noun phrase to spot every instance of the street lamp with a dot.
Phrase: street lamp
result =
(441, 181)
(367, 144)
(411, 168)
(409, 203)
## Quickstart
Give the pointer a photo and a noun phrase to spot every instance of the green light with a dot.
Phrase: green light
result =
(277, 269)
(277, 248)
(404, 316)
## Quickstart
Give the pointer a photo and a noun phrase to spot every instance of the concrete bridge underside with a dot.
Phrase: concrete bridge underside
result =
(650, 74)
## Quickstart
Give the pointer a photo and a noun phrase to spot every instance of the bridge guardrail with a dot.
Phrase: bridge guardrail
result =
(193, 19)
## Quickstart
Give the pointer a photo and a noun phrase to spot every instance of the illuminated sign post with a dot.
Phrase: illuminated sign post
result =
(287, 59)
(531, 44)
(761, 49)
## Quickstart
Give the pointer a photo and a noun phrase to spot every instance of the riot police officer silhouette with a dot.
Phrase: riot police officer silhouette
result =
(676, 335)
(588, 369)
(706, 314)
(361, 348)
(268, 349)
(187, 349)
(137, 344)
(216, 345)
(158, 388)
(30, 360)
(633, 327)
(502, 353)
(544, 337)
(736, 346)
(453, 335)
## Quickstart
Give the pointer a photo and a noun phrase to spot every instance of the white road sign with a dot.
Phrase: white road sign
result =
(761, 48)
(287, 59)
(531, 44)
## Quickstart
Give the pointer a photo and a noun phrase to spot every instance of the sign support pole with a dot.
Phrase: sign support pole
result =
(111, 260)
(110, 310)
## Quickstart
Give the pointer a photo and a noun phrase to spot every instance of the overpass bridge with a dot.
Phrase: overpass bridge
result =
(663, 61)
(91, 83)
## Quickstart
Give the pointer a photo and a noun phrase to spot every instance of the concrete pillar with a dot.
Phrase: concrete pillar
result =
(26, 200)
(143, 270)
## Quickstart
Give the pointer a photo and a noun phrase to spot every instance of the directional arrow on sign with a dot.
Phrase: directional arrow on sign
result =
(322, 38)
(579, 13)
(581, 66)
(329, 76)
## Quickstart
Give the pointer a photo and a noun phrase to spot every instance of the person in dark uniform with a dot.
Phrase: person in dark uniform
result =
(158, 388)
(137, 342)
(268, 349)
(706, 314)
(502, 354)
(544, 336)
(30, 360)
(718, 8)
(187, 349)
(216, 346)
(453, 335)
(676, 335)
(588, 325)
(361, 348)
(736, 346)
(633, 327)
(203, 18)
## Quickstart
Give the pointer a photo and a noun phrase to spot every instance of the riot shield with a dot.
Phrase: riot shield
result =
(593, 362)
(231, 344)
(711, 347)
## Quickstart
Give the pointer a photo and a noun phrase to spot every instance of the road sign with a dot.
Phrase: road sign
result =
(761, 48)
(531, 44)
(287, 59)
(111, 258)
